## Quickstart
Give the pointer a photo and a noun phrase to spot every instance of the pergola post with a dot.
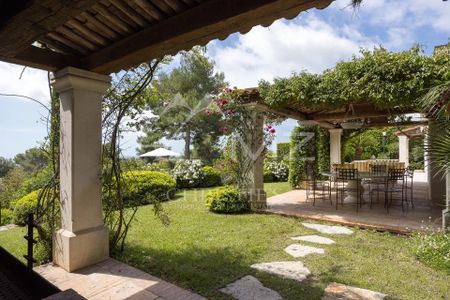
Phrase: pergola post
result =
(82, 239)
(403, 149)
(335, 145)
(446, 211)
(254, 151)
(437, 183)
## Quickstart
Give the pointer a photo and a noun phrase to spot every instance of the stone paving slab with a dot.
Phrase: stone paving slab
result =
(250, 288)
(336, 291)
(114, 280)
(314, 239)
(299, 250)
(327, 229)
(287, 269)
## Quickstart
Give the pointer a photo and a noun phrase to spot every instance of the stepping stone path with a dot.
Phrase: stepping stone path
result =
(327, 229)
(287, 269)
(249, 288)
(336, 291)
(314, 239)
(298, 250)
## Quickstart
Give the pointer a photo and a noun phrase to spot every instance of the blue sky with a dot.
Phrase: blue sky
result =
(313, 41)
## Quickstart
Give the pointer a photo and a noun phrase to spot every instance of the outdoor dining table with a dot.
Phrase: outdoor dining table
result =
(352, 194)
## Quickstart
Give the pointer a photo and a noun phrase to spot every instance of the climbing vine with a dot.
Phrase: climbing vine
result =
(384, 78)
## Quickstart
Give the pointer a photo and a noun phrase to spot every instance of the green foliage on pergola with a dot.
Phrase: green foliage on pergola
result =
(385, 79)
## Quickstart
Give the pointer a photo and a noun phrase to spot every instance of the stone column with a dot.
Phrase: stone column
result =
(82, 239)
(446, 211)
(436, 182)
(403, 149)
(335, 145)
(253, 153)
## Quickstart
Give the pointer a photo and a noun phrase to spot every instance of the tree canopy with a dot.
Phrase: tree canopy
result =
(384, 78)
(179, 109)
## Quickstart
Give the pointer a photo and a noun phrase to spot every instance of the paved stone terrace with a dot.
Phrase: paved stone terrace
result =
(112, 279)
(422, 217)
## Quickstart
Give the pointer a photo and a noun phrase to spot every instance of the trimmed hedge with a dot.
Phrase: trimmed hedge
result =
(316, 147)
(283, 150)
(144, 187)
(7, 216)
(210, 177)
(25, 205)
(227, 200)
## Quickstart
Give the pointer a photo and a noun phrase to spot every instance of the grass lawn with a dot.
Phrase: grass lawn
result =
(203, 252)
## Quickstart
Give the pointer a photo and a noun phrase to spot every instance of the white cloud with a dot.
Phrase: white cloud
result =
(32, 84)
(409, 15)
(286, 47)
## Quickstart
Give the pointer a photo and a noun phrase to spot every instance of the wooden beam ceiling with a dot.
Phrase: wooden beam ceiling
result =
(42, 59)
(366, 110)
(395, 124)
(36, 20)
(209, 20)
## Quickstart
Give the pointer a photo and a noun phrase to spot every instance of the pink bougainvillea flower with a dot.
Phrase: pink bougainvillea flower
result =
(208, 112)
(223, 129)
(272, 130)
(229, 111)
(269, 126)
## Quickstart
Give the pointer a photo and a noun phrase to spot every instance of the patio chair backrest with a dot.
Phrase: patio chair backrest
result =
(377, 169)
(347, 174)
(396, 174)
(409, 172)
(336, 167)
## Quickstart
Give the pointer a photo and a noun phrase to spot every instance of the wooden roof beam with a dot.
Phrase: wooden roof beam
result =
(368, 111)
(291, 114)
(42, 59)
(387, 124)
(198, 25)
(36, 20)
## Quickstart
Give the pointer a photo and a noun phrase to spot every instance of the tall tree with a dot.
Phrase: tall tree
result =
(5, 165)
(33, 160)
(180, 110)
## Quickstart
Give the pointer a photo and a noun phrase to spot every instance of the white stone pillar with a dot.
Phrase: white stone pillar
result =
(82, 239)
(253, 152)
(335, 145)
(446, 211)
(403, 149)
(436, 182)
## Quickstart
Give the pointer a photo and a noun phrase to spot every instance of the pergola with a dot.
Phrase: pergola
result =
(84, 41)
(334, 119)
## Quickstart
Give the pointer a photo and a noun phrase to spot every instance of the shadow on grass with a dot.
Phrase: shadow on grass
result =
(205, 271)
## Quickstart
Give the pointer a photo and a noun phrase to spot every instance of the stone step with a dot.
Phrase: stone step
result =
(327, 229)
(250, 288)
(287, 269)
(299, 250)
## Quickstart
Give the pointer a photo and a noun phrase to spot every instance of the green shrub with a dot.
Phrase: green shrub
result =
(7, 216)
(144, 187)
(210, 177)
(227, 200)
(268, 176)
(283, 150)
(25, 205)
(434, 250)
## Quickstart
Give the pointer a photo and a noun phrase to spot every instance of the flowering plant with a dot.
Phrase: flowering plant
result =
(278, 169)
(188, 173)
(228, 106)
